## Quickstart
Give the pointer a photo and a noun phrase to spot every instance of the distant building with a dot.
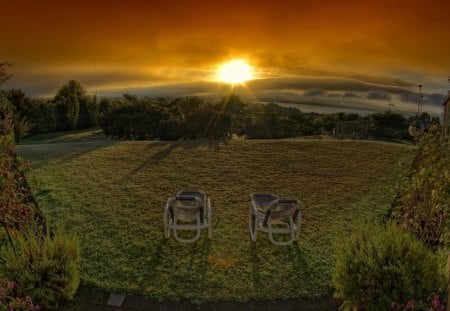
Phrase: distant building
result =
(446, 105)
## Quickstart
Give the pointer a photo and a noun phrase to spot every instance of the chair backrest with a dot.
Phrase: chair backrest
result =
(262, 201)
(198, 194)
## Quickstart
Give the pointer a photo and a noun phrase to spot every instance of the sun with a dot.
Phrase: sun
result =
(235, 71)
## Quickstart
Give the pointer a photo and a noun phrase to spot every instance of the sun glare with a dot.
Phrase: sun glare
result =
(235, 71)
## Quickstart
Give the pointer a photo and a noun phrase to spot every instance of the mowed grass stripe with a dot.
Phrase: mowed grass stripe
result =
(112, 193)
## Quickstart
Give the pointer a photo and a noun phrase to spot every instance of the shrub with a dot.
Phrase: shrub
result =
(434, 303)
(10, 302)
(44, 117)
(47, 269)
(423, 199)
(377, 265)
(141, 120)
(17, 207)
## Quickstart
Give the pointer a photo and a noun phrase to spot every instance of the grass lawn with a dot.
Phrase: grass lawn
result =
(112, 194)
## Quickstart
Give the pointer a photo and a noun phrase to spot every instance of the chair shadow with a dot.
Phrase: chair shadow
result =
(186, 264)
(255, 266)
(293, 253)
(301, 262)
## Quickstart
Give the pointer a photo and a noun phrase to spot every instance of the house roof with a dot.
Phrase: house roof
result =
(446, 100)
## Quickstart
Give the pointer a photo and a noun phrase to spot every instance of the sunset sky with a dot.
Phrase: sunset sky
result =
(344, 55)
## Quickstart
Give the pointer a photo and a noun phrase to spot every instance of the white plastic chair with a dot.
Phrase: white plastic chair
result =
(268, 213)
(188, 211)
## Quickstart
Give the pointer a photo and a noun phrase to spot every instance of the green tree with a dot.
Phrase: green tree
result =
(22, 107)
(44, 117)
(71, 88)
(4, 74)
(388, 125)
(68, 112)
(68, 99)
(89, 111)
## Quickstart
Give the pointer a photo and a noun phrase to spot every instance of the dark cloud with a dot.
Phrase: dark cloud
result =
(409, 97)
(314, 93)
(350, 95)
(176, 90)
(378, 95)
(334, 94)
(326, 84)
(430, 99)
(93, 80)
(318, 99)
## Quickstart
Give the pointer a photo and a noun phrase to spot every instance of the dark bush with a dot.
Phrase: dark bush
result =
(144, 120)
(45, 268)
(377, 265)
(423, 198)
(44, 118)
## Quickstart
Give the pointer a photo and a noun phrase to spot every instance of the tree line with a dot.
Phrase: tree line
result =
(190, 117)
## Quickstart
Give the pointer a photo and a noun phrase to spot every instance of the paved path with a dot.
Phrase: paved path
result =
(97, 300)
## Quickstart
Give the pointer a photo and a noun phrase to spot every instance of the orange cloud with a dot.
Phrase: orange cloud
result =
(367, 37)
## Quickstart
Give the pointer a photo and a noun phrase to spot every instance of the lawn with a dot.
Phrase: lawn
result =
(112, 194)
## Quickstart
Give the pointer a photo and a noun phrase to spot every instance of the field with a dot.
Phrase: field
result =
(112, 194)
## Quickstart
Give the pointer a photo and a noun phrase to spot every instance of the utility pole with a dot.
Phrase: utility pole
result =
(419, 109)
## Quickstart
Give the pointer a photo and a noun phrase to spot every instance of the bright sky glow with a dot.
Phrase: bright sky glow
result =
(235, 71)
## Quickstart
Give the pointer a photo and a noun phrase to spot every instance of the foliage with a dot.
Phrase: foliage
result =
(75, 108)
(377, 265)
(44, 117)
(71, 108)
(8, 300)
(388, 125)
(89, 110)
(71, 88)
(20, 109)
(4, 74)
(433, 303)
(47, 269)
(189, 117)
(68, 109)
(44, 267)
(145, 119)
(17, 208)
(422, 203)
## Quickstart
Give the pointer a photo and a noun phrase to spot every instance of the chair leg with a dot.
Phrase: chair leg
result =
(166, 220)
(291, 233)
(297, 229)
(252, 224)
(209, 221)
(197, 236)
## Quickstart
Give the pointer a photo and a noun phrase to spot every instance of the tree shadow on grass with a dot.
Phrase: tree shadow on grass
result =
(163, 153)
(61, 152)
(300, 258)
(168, 147)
